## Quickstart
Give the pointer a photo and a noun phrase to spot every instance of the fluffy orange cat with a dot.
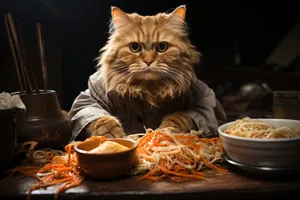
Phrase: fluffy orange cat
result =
(146, 78)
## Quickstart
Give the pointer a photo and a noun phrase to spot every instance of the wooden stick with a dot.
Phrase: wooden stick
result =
(27, 79)
(23, 54)
(13, 51)
(42, 55)
(15, 38)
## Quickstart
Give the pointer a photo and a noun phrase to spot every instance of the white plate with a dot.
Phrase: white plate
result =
(263, 170)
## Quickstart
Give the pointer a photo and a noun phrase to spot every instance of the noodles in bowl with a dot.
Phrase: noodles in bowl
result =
(262, 142)
(256, 128)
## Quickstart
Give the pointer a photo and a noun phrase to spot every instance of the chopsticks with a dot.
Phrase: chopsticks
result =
(13, 51)
(25, 74)
(42, 55)
(31, 74)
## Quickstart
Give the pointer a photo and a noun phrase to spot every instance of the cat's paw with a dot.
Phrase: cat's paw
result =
(170, 129)
(178, 123)
(107, 126)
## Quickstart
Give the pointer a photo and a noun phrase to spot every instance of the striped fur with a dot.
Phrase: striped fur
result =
(171, 72)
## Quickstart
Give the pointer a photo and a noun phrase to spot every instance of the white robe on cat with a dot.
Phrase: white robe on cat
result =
(134, 113)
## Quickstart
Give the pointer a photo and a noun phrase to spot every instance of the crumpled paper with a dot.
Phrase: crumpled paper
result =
(8, 101)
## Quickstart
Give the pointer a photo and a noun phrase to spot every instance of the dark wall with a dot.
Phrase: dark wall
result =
(80, 29)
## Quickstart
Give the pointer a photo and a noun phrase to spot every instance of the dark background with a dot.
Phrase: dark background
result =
(74, 31)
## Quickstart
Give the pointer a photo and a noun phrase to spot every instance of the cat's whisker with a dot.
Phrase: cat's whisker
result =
(163, 65)
(134, 65)
(120, 68)
(168, 73)
(189, 76)
(171, 73)
(164, 77)
(137, 69)
(182, 85)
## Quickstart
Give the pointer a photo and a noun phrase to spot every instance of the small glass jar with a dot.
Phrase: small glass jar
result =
(286, 104)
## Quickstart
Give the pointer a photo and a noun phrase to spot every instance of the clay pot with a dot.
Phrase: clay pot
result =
(43, 121)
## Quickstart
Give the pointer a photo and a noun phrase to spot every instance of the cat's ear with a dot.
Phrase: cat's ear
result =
(179, 12)
(119, 17)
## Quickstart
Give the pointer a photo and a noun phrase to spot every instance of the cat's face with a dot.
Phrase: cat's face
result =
(148, 51)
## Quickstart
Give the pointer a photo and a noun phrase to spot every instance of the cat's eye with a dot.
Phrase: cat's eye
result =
(162, 47)
(135, 47)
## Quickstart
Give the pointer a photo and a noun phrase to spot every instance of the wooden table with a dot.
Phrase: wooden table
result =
(232, 185)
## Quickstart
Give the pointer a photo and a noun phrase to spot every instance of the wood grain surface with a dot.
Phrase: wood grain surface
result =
(234, 184)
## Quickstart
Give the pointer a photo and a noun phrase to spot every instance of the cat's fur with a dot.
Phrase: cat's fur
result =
(170, 74)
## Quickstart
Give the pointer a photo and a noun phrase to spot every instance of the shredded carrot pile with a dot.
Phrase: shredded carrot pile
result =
(62, 170)
(160, 155)
(179, 157)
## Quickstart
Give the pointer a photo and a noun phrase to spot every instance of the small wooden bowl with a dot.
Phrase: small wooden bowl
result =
(105, 165)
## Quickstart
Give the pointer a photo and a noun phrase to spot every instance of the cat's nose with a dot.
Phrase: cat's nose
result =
(148, 62)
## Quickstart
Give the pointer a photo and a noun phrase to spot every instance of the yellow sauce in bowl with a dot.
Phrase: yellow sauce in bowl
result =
(109, 147)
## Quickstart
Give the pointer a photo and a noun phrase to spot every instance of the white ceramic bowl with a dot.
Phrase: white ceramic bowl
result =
(275, 153)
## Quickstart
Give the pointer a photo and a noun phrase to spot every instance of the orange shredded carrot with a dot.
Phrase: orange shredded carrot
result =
(177, 172)
(63, 170)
